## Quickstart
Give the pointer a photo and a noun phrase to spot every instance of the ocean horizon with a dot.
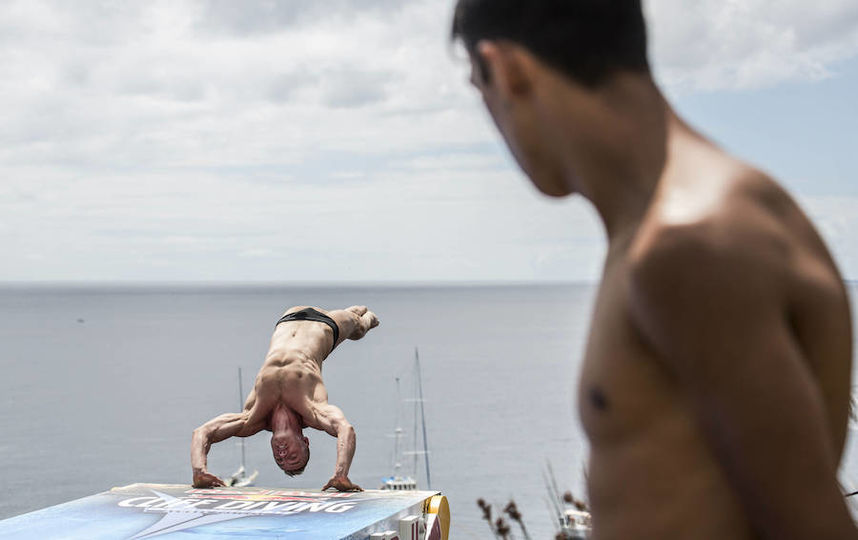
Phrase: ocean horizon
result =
(103, 384)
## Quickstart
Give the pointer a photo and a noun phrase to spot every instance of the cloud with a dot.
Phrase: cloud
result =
(267, 16)
(738, 44)
(353, 88)
(218, 139)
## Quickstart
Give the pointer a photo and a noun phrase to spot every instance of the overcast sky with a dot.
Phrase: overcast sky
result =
(337, 140)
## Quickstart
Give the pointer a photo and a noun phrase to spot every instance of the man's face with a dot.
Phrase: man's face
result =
(290, 453)
(517, 121)
(481, 80)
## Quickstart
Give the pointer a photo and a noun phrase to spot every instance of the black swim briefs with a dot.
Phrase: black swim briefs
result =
(310, 314)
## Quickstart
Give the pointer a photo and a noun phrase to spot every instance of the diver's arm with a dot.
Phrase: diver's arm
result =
(332, 421)
(215, 430)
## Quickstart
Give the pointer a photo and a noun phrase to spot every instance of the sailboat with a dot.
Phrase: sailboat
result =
(397, 482)
(240, 478)
(572, 517)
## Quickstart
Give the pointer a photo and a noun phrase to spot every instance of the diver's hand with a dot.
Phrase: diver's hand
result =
(205, 479)
(341, 483)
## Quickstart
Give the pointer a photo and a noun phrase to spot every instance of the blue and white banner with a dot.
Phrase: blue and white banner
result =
(143, 511)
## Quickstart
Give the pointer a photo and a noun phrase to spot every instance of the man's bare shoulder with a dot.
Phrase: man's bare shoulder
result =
(748, 223)
(750, 229)
(752, 249)
(736, 245)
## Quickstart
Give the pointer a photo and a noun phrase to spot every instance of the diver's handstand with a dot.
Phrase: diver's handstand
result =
(289, 395)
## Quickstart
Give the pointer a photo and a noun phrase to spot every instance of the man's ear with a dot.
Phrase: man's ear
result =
(307, 441)
(506, 67)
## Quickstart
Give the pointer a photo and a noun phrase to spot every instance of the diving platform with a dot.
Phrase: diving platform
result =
(141, 511)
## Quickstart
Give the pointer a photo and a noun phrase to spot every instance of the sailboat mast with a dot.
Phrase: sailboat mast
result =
(397, 433)
(414, 433)
(422, 416)
(240, 408)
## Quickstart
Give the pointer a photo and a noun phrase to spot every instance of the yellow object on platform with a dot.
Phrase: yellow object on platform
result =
(438, 506)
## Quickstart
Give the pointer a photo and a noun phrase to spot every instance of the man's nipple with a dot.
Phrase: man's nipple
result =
(599, 399)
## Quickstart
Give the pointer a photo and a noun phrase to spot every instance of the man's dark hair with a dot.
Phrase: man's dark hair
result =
(588, 40)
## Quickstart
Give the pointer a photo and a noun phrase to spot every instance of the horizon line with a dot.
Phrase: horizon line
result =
(286, 284)
(382, 284)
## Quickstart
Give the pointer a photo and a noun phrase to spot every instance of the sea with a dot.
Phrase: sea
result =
(101, 386)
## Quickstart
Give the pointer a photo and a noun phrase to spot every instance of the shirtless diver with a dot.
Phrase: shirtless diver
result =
(289, 395)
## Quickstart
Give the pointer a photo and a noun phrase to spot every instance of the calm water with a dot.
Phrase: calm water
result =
(102, 387)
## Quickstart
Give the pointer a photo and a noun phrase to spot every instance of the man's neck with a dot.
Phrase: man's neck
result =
(618, 163)
(284, 421)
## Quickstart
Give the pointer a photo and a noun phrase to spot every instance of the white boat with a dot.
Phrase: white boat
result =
(240, 479)
(576, 524)
(573, 520)
(398, 482)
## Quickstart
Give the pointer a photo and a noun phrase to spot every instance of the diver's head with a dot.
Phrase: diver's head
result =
(291, 451)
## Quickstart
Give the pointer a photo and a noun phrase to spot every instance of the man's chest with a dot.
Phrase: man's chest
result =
(622, 383)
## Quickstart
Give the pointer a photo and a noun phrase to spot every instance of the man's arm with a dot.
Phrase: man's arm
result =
(332, 421)
(216, 430)
(719, 321)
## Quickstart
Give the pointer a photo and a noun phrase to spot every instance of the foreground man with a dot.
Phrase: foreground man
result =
(716, 382)
(289, 395)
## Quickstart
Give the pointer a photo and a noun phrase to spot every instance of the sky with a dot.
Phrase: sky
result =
(338, 141)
